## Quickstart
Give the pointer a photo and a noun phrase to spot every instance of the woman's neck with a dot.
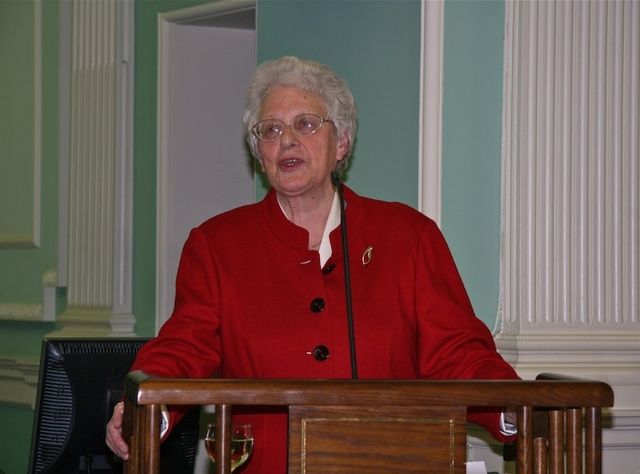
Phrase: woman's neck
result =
(308, 212)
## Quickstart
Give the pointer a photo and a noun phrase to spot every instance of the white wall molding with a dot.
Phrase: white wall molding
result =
(211, 14)
(430, 135)
(613, 358)
(86, 322)
(20, 312)
(122, 304)
(64, 132)
(37, 123)
(35, 311)
(570, 278)
(18, 382)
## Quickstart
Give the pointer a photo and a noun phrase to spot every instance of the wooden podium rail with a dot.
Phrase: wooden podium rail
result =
(374, 426)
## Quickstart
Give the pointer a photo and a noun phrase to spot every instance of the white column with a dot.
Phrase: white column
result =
(571, 204)
(100, 181)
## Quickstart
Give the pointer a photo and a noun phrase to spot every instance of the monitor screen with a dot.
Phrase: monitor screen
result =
(80, 382)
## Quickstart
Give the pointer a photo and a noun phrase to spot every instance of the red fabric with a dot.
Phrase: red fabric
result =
(243, 309)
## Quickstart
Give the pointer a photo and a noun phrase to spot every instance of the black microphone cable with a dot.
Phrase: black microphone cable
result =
(335, 179)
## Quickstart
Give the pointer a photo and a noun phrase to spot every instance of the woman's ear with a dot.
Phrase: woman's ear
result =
(343, 146)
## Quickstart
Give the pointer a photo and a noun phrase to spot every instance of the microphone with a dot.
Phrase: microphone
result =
(335, 179)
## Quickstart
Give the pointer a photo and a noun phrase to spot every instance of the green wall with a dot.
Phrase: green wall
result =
(15, 439)
(471, 146)
(375, 45)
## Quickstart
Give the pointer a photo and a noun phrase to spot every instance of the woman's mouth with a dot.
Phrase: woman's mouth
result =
(289, 162)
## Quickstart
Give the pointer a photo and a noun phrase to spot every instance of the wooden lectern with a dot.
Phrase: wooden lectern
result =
(374, 426)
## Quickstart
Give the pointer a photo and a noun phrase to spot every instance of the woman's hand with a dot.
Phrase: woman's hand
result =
(114, 433)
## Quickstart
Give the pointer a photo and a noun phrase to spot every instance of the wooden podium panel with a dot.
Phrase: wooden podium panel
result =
(341, 439)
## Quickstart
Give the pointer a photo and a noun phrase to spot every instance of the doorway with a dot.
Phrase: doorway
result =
(206, 56)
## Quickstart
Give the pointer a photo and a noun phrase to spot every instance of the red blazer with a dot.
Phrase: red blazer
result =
(253, 302)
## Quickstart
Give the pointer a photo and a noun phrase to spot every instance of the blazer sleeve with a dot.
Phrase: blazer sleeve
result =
(453, 342)
(188, 344)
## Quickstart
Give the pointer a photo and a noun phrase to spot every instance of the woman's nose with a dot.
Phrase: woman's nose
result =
(288, 137)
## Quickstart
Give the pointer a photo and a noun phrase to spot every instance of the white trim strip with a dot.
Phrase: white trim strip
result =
(430, 139)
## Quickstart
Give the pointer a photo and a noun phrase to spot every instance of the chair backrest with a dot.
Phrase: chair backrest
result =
(378, 426)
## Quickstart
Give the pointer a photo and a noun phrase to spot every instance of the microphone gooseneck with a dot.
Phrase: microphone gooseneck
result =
(335, 179)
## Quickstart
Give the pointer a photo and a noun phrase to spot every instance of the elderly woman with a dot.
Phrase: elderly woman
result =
(261, 289)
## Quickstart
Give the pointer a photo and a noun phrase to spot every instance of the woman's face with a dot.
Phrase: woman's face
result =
(295, 164)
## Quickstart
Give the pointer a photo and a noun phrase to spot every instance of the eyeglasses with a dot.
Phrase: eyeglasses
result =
(303, 125)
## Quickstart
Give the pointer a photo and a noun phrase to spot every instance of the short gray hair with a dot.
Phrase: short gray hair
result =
(308, 76)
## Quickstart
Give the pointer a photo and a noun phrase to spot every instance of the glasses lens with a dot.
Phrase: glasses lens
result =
(306, 124)
(268, 129)
(271, 129)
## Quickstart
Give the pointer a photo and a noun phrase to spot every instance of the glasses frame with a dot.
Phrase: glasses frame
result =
(296, 132)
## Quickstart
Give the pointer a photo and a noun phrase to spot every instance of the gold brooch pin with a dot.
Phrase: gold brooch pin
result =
(367, 256)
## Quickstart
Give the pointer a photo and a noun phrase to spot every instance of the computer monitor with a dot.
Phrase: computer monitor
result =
(80, 382)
